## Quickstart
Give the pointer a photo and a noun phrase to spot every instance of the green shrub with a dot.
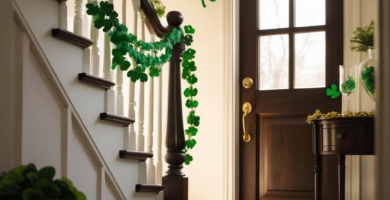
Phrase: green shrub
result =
(25, 182)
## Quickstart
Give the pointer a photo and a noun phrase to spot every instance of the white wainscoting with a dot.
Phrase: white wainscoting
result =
(54, 129)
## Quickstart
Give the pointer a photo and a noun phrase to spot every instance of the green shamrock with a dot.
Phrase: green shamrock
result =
(189, 159)
(188, 39)
(189, 30)
(189, 54)
(190, 143)
(190, 92)
(333, 92)
(191, 131)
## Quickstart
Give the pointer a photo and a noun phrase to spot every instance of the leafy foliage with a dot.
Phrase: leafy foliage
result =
(368, 78)
(364, 38)
(158, 7)
(150, 56)
(348, 86)
(27, 183)
(333, 92)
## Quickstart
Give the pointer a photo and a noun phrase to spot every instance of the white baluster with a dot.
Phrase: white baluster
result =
(86, 21)
(95, 57)
(108, 73)
(141, 102)
(62, 15)
(119, 73)
(78, 17)
(78, 29)
(132, 133)
(159, 168)
(151, 167)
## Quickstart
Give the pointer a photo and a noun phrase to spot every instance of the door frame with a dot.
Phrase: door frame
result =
(231, 98)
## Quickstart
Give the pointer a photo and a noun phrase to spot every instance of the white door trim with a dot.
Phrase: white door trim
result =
(230, 94)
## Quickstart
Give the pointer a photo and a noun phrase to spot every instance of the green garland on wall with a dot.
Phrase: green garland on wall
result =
(150, 55)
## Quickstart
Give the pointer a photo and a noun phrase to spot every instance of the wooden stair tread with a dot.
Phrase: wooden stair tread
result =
(135, 155)
(96, 81)
(149, 188)
(71, 37)
(116, 119)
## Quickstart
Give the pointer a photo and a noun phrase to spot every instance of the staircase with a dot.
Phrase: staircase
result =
(95, 102)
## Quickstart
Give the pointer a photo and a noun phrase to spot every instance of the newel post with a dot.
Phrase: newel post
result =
(175, 181)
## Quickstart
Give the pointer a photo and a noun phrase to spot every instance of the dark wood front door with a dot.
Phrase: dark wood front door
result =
(292, 50)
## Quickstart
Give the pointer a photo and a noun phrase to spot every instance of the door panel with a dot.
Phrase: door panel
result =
(286, 162)
(278, 163)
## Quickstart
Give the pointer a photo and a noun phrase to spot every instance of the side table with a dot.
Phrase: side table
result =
(340, 136)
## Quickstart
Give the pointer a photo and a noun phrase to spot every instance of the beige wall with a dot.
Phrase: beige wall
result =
(206, 172)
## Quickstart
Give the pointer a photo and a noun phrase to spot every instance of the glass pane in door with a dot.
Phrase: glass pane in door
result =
(309, 68)
(273, 14)
(274, 62)
(309, 13)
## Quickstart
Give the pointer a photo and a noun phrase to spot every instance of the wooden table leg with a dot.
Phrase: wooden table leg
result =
(341, 177)
(317, 177)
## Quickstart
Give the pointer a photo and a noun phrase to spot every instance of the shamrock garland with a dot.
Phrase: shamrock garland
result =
(105, 17)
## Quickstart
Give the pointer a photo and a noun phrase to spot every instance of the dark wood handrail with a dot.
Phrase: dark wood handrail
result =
(153, 22)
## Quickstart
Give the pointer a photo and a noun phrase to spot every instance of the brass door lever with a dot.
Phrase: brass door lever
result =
(246, 108)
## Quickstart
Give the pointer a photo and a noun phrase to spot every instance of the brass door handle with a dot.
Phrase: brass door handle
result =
(246, 108)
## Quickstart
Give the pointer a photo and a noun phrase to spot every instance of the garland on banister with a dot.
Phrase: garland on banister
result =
(150, 55)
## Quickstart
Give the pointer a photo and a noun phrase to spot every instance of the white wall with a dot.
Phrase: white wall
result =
(205, 172)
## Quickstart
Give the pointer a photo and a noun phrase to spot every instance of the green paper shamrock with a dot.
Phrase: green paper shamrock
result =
(190, 143)
(191, 131)
(189, 54)
(189, 30)
(333, 92)
(189, 159)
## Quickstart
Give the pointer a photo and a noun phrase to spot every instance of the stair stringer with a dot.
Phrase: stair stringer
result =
(103, 139)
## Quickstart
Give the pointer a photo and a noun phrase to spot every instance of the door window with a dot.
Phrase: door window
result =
(292, 44)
